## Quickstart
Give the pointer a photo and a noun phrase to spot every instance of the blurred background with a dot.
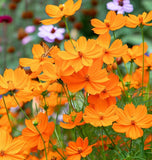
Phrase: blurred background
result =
(20, 27)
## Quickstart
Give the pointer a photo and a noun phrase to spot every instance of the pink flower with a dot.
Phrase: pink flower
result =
(121, 6)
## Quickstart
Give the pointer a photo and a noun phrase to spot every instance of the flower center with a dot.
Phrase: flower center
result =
(106, 22)
(53, 30)
(133, 122)
(104, 91)
(61, 7)
(120, 2)
(2, 153)
(79, 150)
(140, 18)
(87, 78)
(10, 85)
(53, 158)
(80, 54)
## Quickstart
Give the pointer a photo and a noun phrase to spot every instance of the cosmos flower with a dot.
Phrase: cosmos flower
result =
(121, 6)
(57, 12)
(27, 39)
(11, 148)
(30, 29)
(78, 149)
(6, 19)
(132, 119)
(49, 33)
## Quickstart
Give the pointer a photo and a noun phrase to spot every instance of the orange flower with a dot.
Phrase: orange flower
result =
(142, 19)
(78, 149)
(32, 136)
(112, 22)
(4, 123)
(49, 73)
(89, 78)
(131, 120)
(147, 61)
(112, 89)
(32, 158)
(80, 53)
(147, 143)
(109, 52)
(135, 80)
(39, 59)
(57, 12)
(11, 149)
(93, 99)
(100, 114)
(10, 102)
(13, 80)
(54, 155)
(72, 120)
(50, 102)
(135, 52)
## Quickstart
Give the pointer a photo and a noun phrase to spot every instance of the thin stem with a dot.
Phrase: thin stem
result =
(57, 150)
(130, 145)
(5, 44)
(104, 156)
(20, 107)
(114, 35)
(121, 79)
(68, 97)
(45, 105)
(126, 68)
(64, 19)
(142, 32)
(34, 125)
(131, 67)
(109, 137)
(7, 112)
(142, 146)
(57, 137)
(148, 86)
(43, 141)
(115, 146)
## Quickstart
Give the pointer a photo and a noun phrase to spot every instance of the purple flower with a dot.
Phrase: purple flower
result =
(6, 19)
(27, 39)
(30, 29)
(49, 33)
(121, 6)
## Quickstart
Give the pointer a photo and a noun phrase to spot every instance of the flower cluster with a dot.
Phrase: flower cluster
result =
(106, 112)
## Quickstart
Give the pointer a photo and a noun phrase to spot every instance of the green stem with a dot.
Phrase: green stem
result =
(121, 79)
(64, 19)
(20, 106)
(114, 35)
(57, 137)
(43, 141)
(7, 112)
(130, 145)
(109, 137)
(113, 142)
(126, 68)
(142, 32)
(57, 150)
(34, 125)
(68, 97)
(142, 146)
(104, 156)
(131, 67)
(5, 45)
(46, 106)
